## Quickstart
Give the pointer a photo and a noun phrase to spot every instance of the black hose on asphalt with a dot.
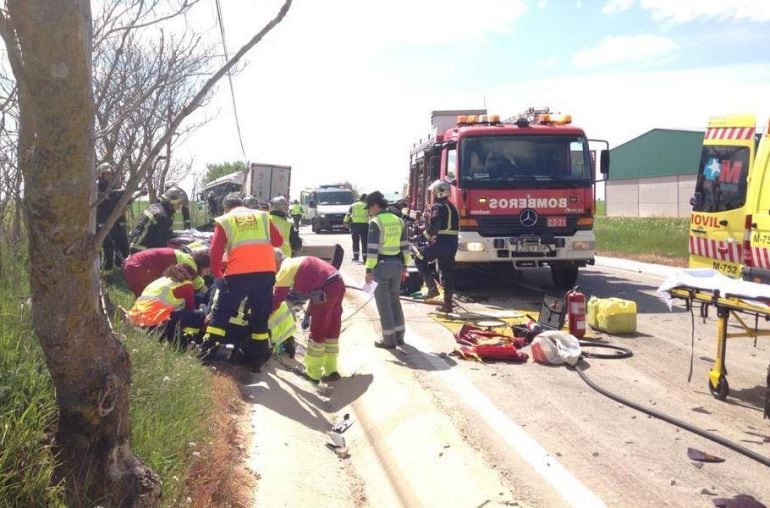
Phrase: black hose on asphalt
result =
(622, 352)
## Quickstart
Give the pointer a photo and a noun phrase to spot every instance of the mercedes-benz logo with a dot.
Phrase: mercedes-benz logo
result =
(528, 217)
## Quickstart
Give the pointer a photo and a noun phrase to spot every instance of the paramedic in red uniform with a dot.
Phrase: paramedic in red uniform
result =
(247, 238)
(145, 266)
(319, 281)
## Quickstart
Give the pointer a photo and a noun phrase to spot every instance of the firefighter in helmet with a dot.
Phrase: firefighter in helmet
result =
(155, 228)
(279, 209)
(441, 232)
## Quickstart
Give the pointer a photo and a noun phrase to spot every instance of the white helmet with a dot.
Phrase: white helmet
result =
(104, 168)
(440, 189)
(279, 204)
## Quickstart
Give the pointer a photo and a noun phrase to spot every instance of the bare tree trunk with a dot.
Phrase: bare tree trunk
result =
(90, 367)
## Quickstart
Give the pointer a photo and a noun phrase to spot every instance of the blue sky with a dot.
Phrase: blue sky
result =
(343, 88)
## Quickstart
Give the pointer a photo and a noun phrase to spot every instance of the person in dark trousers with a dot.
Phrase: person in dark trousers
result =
(115, 248)
(155, 228)
(247, 238)
(358, 219)
(386, 257)
(441, 232)
(296, 213)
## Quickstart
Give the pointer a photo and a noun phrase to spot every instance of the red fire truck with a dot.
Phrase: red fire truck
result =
(524, 188)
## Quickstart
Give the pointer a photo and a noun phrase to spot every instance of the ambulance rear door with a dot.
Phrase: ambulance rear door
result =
(717, 221)
(758, 212)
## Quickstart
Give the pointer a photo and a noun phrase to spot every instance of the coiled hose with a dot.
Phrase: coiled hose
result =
(623, 352)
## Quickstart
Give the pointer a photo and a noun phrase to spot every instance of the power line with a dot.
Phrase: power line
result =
(230, 77)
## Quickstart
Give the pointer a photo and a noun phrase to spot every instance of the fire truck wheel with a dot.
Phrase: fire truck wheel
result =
(564, 277)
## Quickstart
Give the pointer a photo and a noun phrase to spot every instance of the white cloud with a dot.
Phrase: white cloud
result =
(549, 61)
(619, 106)
(624, 48)
(614, 6)
(683, 11)
(579, 4)
(542, 4)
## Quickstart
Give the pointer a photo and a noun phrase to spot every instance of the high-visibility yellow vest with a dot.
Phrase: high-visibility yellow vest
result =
(184, 258)
(248, 241)
(281, 323)
(295, 209)
(157, 302)
(390, 227)
(285, 227)
(359, 214)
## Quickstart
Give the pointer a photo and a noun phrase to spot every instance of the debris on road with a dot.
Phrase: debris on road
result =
(700, 456)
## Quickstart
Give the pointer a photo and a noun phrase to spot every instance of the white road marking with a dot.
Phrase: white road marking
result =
(546, 465)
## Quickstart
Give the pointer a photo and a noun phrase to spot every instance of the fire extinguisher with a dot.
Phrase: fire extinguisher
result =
(576, 312)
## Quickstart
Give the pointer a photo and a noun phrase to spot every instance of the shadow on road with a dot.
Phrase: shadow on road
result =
(285, 393)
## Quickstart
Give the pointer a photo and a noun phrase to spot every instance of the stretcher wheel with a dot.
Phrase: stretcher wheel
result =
(721, 390)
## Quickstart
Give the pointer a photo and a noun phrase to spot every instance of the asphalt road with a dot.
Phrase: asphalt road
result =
(532, 435)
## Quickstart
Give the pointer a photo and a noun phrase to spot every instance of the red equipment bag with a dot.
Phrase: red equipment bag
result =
(489, 345)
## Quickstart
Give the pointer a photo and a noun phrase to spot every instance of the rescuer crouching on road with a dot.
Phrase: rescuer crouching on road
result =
(247, 238)
(168, 303)
(441, 233)
(387, 252)
(314, 278)
(279, 208)
(358, 219)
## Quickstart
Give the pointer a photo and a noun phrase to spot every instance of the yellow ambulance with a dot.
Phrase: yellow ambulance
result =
(722, 199)
(756, 245)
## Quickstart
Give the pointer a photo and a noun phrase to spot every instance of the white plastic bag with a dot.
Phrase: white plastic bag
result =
(556, 348)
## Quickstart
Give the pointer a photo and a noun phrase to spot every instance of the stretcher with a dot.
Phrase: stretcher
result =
(732, 299)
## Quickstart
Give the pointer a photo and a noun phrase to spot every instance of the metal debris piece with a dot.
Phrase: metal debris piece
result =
(342, 425)
(700, 456)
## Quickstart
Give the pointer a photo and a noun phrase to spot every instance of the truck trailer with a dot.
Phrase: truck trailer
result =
(267, 181)
(524, 188)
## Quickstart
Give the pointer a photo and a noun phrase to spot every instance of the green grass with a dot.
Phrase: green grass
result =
(601, 207)
(661, 238)
(171, 403)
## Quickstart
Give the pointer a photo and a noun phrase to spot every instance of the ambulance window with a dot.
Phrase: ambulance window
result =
(721, 180)
(451, 163)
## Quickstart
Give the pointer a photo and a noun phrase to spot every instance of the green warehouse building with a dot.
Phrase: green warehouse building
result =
(653, 175)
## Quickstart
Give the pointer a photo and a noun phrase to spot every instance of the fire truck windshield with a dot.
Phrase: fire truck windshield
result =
(335, 198)
(503, 161)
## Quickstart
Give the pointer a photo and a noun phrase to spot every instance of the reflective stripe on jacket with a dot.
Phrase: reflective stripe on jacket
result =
(248, 247)
(157, 303)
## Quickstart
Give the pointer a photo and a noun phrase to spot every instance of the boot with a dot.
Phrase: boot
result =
(447, 307)
(433, 291)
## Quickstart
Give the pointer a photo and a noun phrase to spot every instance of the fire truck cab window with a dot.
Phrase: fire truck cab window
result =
(721, 182)
(503, 160)
(451, 163)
